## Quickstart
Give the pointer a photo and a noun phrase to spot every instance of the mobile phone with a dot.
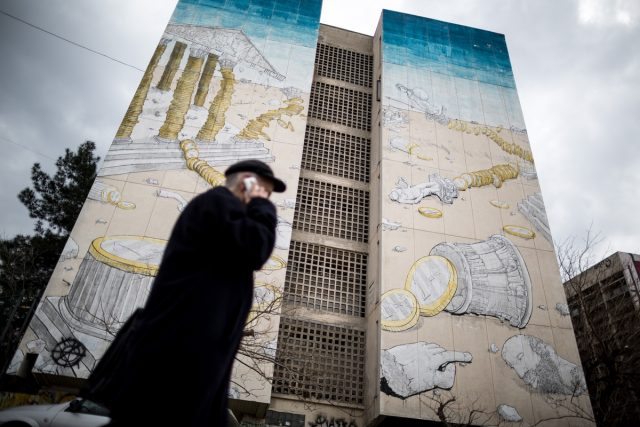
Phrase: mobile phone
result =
(249, 183)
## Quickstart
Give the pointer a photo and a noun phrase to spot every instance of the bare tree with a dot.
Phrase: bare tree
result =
(568, 408)
(257, 351)
(451, 412)
(606, 320)
(265, 356)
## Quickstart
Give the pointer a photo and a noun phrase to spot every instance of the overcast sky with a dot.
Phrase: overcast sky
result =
(576, 65)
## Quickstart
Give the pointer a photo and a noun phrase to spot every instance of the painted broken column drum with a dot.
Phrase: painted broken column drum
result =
(492, 279)
(114, 279)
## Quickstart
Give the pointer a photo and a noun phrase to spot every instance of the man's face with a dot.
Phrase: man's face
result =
(266, 184)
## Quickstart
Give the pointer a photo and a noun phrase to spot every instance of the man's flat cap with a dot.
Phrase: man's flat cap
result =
(259, 168)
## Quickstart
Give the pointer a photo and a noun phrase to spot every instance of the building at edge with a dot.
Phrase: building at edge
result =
(413, 277)
(604, 303)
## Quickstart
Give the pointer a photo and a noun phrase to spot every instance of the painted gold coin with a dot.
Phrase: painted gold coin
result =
(519, 231)
(433, 280)
(500, 204)
(398, 310)
(412, 147)
(133, 254)
(274, 263)
(191, 153)
(111, 196)
(468, 178)
(126, 205)
(430, 212)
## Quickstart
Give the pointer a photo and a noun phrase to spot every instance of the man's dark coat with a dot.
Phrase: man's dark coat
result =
(171, 363)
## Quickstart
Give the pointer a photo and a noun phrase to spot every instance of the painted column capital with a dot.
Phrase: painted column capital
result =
(227, 63)
(198, 52)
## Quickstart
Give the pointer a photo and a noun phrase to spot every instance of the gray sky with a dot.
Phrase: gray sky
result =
(576, 65)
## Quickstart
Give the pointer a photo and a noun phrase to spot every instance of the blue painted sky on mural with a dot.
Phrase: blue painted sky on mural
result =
(286, 21)
(446, 48)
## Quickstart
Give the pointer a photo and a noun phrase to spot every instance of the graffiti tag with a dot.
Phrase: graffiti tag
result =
(323, 421)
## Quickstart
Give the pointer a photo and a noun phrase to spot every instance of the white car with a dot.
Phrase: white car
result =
(76, 413)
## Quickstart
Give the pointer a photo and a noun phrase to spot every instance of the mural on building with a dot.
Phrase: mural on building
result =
(540, 367)
(488, 278)
(465, 242)
(533, 209)
(508, 413)
(229, 80)
(414, 368)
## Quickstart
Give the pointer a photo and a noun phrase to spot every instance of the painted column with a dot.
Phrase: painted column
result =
(205, 80)
(113, 279)
(220, 105)
(172, 66)
(135, 108)
(174, 122)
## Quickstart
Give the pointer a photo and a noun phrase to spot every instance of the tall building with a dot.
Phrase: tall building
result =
(413, 276)
(604, 302)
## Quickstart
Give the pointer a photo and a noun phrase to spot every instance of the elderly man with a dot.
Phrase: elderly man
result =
(171, 363)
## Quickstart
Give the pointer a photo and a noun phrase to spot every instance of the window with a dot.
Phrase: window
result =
(326, 278)
(336, 153)
(340, 105)
(319, 361)
(345, 65)
(332, 210)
